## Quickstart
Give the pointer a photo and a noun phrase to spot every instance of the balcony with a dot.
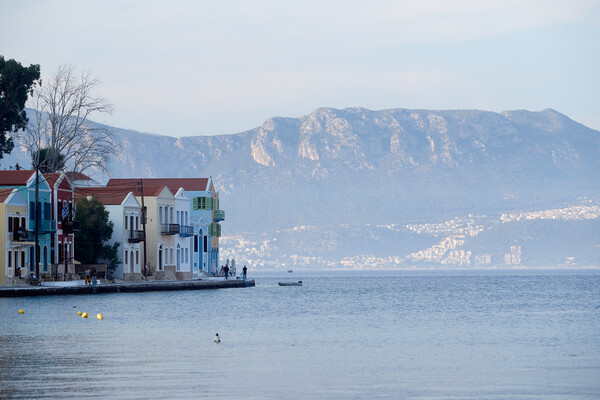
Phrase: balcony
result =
(136, 236)
(44, 226)
(169, 229)
(23, 236)
(186, 230)
(219, 215)
(70, 226)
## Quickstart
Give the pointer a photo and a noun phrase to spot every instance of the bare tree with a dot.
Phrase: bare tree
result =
(60, 131)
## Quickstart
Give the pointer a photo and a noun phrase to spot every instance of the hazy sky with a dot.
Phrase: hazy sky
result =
(184, 68)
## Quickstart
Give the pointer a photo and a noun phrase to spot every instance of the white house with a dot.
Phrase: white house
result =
(125, 212)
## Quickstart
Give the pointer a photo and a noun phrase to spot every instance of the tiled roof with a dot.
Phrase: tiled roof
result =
(188, 184)
(4, 193)
(15, 178)
(151, 191)
(107, 196)
(52, 178)
(77, 176)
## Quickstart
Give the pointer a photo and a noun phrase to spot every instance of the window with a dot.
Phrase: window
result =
(10, 224)
(205, 243)
(137, 257)
(60, 207)
(9, 260)
(171, 256)
(186, 255)
(202, 203)
(160, 216)
(178, 218)
(137, 222)
(126, 222)
(195, 243)
(131, 226)
(170, 215)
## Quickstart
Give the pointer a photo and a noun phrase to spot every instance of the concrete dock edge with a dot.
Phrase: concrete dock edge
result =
(124, 287)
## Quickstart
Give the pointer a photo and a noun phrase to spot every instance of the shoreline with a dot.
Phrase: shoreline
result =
(125, 287)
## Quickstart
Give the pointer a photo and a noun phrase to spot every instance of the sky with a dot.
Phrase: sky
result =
(187, 68)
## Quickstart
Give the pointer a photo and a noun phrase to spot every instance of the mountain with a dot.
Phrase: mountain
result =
(325, 188)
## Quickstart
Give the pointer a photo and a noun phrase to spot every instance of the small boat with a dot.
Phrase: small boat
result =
(290, 270)
(299, 283)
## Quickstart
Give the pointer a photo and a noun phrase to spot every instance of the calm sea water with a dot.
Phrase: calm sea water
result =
(400, 335)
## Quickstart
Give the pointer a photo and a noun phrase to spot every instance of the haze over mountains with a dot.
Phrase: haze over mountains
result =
(357, 188)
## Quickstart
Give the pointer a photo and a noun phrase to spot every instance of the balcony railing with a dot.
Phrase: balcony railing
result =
(186, 230)
(169, 229)
(23, 235)
(44, 226)
(136, 236)
(70, 226)
(219, 215)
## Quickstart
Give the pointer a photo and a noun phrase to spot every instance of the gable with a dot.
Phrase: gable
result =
(16, 199)
(130, 201)
(181, 194)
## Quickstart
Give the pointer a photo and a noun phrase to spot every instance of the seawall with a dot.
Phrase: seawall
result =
(125, 287)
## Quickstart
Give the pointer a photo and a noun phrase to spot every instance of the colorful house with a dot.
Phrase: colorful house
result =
(62, 241)
(15, 239)
(25, 183)
(125, 212)
(205, 217)
(161, 228)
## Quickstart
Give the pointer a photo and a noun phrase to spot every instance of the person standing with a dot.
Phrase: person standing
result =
(226, 270)
(244, 271)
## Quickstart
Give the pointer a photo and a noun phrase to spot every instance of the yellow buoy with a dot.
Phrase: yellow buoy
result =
(21, 312)
(84, 315)
(79, 313)
(99, 316)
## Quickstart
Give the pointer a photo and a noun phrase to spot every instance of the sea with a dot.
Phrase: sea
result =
(423, 334)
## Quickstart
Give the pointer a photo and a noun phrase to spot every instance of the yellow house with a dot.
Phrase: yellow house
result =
(15, 239)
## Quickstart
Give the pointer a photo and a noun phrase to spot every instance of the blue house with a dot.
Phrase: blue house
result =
(25, 182)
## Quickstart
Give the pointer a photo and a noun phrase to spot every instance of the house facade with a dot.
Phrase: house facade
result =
(15, 240)
(25, 183)
(205, 217)
(62, 241)
(183, 240)
(125, 212)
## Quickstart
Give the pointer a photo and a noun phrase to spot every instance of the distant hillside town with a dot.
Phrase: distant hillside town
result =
(163, 228)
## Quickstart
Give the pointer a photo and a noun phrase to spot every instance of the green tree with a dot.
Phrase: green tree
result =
(94, 231)
(46, 165)
(16, 84)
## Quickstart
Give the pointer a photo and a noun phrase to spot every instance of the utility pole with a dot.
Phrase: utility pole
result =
(144, 226)
(37, 221)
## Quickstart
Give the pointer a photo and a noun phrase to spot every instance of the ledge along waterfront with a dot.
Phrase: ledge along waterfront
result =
(125, 287)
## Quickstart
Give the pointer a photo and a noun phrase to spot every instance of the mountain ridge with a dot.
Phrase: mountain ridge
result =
(353, 166)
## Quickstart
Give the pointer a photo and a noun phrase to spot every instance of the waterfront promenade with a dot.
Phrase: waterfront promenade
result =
(125, 287)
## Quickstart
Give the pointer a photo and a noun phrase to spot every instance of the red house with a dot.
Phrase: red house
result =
(62, 242)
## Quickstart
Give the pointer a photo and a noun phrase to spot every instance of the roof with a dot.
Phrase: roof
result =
(77, 176)
(151, 191)
(188, 184)
(4, 193)
(15, 177)
(54, 177)
(106, 196)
